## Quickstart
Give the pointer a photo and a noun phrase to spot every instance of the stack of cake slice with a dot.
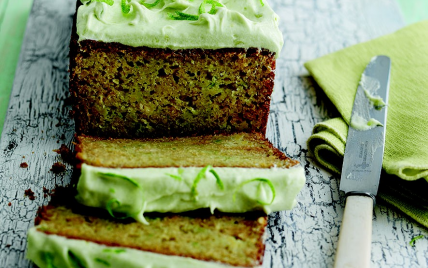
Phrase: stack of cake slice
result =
(127, 232)
(171, 100)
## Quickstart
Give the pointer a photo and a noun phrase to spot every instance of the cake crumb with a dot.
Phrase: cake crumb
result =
(47, 192)
(66, 154)
(58, 167)
(24, 165)
(30, 194)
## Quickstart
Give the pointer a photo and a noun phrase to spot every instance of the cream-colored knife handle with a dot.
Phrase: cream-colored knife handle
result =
(355, 233)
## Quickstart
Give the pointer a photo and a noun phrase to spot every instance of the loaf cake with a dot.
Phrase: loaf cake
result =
(172, 67)
(232, 173)
(70, 235)
(171, 100)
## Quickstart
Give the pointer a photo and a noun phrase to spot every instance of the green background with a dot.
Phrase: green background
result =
(13, 18)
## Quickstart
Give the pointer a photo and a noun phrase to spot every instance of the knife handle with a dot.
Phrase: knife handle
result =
(354, 248)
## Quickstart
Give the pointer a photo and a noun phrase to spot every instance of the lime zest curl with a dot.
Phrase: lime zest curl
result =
(103, 175)
(412, 242)
(126, 8)
(268, 182)
(110, 209)
(214, 4)
(175, 177)
(182, 16)
(115, 250)
(201, 175)
(150, 5)
(217, 178)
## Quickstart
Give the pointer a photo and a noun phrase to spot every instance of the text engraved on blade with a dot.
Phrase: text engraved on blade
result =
(363, 164)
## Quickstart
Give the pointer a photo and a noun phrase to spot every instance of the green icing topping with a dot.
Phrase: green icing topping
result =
(233, 190)
(181, 24)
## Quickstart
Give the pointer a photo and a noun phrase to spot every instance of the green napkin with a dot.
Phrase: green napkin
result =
(406, 144)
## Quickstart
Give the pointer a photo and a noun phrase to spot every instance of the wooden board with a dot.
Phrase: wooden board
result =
(38, 122)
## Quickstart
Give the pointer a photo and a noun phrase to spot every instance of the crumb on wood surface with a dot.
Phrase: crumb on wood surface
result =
(58, 167)
(30, 194)
(66, 154)
(47, 192)
(23, 165)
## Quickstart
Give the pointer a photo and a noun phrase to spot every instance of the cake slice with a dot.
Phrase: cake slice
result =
(231, 173)
(70, 235)
(172, 67)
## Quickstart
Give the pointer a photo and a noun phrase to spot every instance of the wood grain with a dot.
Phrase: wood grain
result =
(38, 122)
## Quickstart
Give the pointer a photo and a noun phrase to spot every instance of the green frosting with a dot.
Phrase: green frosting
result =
(362, 124)
(370, 86)
(181, 24)
(49, 251)
(134, 191)
(376, 101)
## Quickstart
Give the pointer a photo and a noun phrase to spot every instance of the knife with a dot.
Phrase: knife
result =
(362, 164)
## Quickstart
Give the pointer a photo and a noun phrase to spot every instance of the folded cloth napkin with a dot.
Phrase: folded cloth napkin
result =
(406, 144)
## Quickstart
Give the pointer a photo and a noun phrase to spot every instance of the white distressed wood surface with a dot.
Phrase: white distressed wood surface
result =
(304, 237)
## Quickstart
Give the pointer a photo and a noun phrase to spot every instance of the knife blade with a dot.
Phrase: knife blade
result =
(362, 163)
